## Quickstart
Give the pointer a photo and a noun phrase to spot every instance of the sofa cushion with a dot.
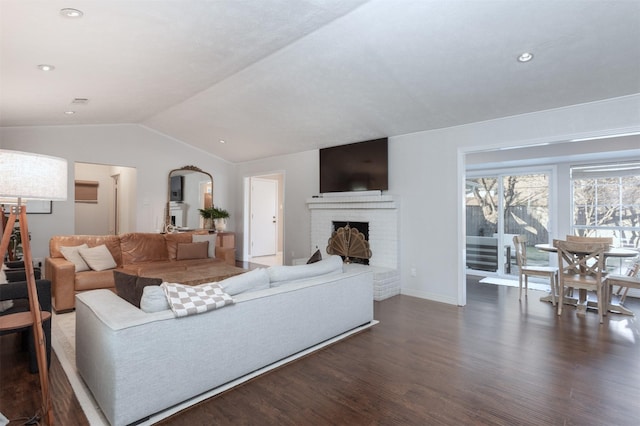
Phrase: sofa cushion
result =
(281, 274)
(258, 279)
(130, 287)
(212, 243)
(192, 250)
(98, 258)
(187, 300)
(172, 240)
(138, 247)
(111, 241)
(153, 299)
(91, 280)
(72, 254)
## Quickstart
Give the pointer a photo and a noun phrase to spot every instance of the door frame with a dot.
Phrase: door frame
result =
(246, 237)
(500, 173)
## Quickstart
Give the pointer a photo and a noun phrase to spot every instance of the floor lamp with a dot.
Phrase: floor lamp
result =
(26, 176)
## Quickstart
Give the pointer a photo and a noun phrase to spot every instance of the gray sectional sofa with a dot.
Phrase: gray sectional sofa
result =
(137, 363)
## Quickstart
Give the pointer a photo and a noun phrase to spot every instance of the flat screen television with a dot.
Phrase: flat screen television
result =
(360, 166)
(176, 188)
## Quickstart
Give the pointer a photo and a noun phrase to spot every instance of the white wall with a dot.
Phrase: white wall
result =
(151, 153)
(427, 175)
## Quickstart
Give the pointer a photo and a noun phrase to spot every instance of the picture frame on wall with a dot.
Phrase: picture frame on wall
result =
(39, 207)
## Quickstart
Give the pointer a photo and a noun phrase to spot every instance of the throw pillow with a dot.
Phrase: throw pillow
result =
(130, 287)
(258, 279)
(193, 250)
(315, 257)
(281, 274)
(197, 238)
(187, 300)
(153, 299)
(72, 254)
(4, 304)
(98, 258)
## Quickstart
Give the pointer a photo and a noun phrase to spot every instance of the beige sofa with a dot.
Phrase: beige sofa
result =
(124, 354)
(144, 254)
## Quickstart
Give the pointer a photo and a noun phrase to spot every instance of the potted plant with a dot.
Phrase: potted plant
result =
(216, 215)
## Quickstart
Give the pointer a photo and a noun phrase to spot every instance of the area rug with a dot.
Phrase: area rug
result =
(63, 342)
(514, 283)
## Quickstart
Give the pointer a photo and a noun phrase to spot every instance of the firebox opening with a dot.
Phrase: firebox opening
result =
(363, 228)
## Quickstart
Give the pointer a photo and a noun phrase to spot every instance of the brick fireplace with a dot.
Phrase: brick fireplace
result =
(382, 215)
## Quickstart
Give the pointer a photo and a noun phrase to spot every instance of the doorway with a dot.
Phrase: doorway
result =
(109, 209)
(265, 225)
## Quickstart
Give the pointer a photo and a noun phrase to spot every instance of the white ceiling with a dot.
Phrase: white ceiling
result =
(277, 76)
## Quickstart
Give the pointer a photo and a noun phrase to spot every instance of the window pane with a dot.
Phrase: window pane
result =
(482, 206)
(608, 194)
(608, 206)
(608, 215)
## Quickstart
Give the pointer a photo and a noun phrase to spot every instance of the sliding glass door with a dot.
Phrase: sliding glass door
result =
(499, 206)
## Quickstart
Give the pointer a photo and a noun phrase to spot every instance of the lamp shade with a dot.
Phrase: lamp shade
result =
(32, 176)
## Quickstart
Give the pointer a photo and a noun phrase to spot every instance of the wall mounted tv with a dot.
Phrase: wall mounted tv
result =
(176, 188)
(361, 166)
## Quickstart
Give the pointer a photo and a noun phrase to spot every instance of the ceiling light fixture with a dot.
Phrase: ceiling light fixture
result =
(69, 112)
(71, 13)
(223, 141)
(46, 67)
(525, 57)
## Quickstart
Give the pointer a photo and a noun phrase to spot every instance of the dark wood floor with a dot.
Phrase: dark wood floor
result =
(496, 361)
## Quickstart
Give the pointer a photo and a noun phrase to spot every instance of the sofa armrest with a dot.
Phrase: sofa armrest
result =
(62, 274)
(226, 254)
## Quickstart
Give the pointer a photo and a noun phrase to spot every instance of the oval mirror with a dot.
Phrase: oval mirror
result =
(189, 189)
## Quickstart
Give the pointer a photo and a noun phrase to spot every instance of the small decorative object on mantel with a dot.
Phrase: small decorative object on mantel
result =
(349, 242)
(215, 215)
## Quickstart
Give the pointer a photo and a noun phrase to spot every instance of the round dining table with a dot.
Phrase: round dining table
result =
(611, 252)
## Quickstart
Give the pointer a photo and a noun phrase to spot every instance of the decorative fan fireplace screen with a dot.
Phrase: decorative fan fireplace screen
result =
(349, 243)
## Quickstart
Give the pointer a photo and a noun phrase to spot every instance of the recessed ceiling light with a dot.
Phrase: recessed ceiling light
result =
(222, 141)
(525, 57)
(69, 112)
(46, 67)
(71, 13)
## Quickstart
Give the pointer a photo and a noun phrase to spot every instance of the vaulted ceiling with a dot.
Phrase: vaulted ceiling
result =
(271, 77)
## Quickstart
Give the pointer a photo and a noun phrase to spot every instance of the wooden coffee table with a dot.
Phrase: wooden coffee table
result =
(199, 274)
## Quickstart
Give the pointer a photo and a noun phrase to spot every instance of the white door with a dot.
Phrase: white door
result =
(264, 208)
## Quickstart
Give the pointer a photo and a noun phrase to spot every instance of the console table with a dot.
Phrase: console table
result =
(226, 239)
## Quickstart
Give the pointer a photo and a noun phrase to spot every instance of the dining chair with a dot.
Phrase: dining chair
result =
(581, 266)
(525, 271)
(625, 282)
(579, 239)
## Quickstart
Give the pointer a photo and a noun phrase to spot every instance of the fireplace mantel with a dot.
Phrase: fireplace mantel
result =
(353, 202)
